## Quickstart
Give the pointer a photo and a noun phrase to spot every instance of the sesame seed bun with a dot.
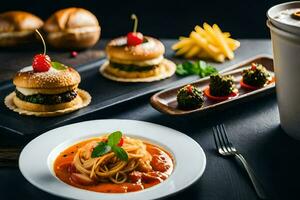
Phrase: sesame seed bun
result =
(118, 50)
(17, 27)
(27, 78)
(72, 28)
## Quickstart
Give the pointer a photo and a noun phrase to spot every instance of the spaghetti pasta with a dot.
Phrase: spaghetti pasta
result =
(147, 165)
(109, 167)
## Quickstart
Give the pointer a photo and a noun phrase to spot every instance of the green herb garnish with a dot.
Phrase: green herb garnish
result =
(114, 138)
(58, 66)
(200, 68)
(101, 149)
(113, 143)
(120, 153)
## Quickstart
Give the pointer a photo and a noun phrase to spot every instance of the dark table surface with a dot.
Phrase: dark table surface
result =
(253, 127)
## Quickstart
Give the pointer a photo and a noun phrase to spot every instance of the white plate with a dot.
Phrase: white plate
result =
(36, 159)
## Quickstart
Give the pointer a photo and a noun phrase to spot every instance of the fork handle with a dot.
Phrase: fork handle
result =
(256, 184)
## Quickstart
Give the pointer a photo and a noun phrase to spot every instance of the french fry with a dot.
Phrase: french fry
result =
(205, 55)
(226, 34)
(220, 58)
(183, 50)
(218, 37)
(207, 42)
(204, 34)
(221, 40)
(210, 39)
(210, 49)
(182, 43)
(233, 44)
(214, 48)
(193, 52)
(203, 43)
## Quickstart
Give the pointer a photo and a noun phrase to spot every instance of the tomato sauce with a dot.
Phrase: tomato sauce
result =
(162, 165)
(219, 98)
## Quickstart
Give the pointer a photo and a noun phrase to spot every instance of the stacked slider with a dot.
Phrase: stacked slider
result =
(46, 88)
(136, 58)
(136, 63)
(46, 91)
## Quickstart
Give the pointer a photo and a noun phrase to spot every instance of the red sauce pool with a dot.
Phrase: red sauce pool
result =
(162, 161)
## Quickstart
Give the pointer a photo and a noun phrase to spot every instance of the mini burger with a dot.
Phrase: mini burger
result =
(72, 28)
(18, 27)
(46, 89)
(136, 58)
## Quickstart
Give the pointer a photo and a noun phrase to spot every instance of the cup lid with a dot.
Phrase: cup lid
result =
(286, 16)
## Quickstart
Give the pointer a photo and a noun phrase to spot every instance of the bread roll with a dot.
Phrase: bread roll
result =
(17, 27)
(72, 28)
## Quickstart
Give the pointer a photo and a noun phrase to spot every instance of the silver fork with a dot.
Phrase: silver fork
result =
(225, 148)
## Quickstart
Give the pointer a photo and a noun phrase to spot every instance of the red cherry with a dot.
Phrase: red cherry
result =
(134, 38)
(121, 142)
(41, 63)
(74, 54)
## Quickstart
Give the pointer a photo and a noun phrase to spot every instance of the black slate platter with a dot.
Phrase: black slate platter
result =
(105, 93)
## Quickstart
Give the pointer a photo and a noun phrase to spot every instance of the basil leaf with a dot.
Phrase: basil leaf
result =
(114, 138)
(190, 67)
(209, 70)
(180, 70)
(101, 149)
(120, 153)
(58, 66)
(202, 64)
(200, 68)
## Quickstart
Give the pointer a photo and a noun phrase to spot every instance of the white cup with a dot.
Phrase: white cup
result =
(286, 53)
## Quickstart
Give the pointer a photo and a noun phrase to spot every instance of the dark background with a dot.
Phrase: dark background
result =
(162, 18)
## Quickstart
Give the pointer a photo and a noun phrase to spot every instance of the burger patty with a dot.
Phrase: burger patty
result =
(48, 99)
(132, 68)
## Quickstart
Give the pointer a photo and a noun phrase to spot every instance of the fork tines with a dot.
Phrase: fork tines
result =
(221, 140)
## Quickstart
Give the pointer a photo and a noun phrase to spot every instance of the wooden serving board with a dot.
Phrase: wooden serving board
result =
(166, 102)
